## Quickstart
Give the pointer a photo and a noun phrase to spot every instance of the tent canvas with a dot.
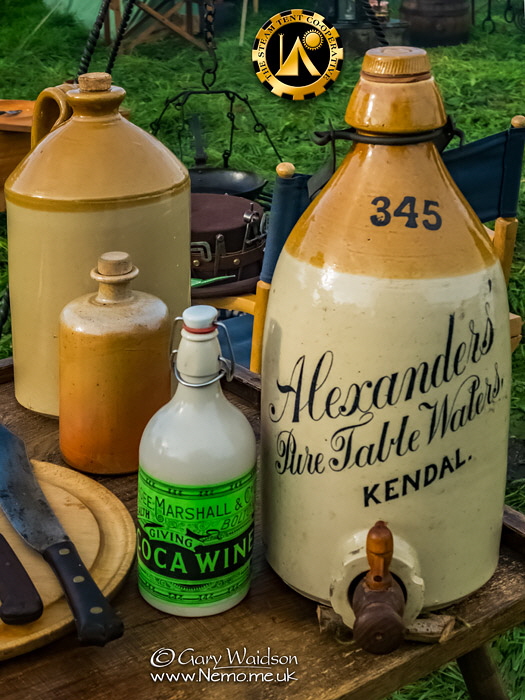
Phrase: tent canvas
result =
(86, 11)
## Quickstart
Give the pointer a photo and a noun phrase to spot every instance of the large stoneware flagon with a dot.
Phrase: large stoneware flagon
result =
(386, 364)
(95, 182)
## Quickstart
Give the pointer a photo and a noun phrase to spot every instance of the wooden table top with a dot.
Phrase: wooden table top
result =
(272, 617)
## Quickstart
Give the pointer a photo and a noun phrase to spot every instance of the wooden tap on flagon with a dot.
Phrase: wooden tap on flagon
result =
(378, 601)
(386, 363)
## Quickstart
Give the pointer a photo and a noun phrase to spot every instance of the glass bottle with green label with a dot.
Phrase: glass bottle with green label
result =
(196, 488)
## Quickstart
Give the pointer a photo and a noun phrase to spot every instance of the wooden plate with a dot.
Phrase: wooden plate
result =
(104, 534)
(16, 122)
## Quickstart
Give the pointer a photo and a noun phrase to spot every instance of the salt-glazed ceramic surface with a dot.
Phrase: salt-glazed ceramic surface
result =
(95, 183)
(114, 369)
(386, 365)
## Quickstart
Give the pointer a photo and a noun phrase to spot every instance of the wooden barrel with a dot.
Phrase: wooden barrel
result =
(437, 22)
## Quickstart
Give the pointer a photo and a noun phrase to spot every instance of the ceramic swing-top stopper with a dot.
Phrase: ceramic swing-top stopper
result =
(199, 317)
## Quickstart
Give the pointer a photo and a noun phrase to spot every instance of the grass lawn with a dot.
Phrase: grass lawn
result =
(482, 83)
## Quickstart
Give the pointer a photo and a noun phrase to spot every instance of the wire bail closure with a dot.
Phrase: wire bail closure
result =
(227, 366)
(441, 136)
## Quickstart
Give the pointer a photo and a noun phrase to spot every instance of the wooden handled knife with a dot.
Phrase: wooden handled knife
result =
(21, 602)
(28, 511)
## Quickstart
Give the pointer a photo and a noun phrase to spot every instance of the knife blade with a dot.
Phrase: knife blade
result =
(21, 602)
(28, 511)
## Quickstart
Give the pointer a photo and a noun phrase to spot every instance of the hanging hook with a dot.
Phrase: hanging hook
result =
(209, 75)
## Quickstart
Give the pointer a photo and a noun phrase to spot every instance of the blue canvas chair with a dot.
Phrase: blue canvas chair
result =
(290, 198)
(487, 171)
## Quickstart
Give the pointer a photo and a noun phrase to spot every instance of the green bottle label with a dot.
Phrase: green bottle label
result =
(195, 542)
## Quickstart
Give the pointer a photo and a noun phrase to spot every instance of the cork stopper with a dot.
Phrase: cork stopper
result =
(114, 267)
(199, 318)
(114, 263)
(94, 82)
(396, 62)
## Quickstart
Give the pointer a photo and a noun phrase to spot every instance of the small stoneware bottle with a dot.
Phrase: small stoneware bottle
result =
(114, 369)
(196, 486)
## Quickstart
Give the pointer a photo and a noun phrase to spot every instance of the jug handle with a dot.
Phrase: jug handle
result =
(50, 111)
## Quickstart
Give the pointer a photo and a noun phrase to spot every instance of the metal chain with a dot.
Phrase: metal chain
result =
(120, 34)
(182, 97)
(91, 43)
(231, 116)
(209, 75)
(180, 130)
(509, 12)
(374, 21)
(208, 78)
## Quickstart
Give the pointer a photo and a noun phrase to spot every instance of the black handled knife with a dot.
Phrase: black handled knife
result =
(28, 511)
(21, 602)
